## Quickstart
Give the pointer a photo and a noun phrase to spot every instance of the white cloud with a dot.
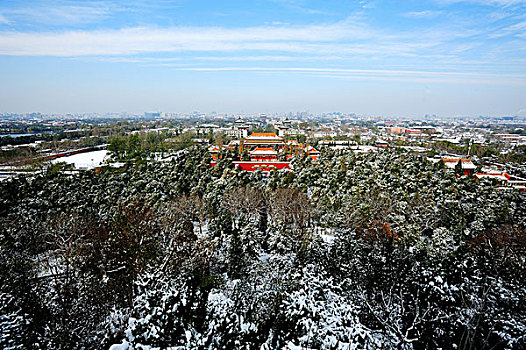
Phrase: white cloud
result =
(504, 3)
(299, 5)
(498, 3)
(142, 40)
(363, 71)
(267, 58)
(138, 59)
(423, 14)
(518, 29)
(349, 41)
(382, 75)
(348, 37)
(63, 14)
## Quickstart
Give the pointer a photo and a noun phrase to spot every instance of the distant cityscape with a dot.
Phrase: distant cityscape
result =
(38, 116)
(487, 146)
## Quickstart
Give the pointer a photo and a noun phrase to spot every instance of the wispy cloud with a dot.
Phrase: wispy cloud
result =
(179, 39)
(349, 37)
(299, 5)
(268, 58)
(63, 13)
(367, 4)
(398, 75)
(348, 41)
(517, 30)
(139, 59)
(3, 20)
(498, 3)
(365, 71)
(177, 61)
(423, 14)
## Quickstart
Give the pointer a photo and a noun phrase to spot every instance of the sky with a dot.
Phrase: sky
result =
(373, 57)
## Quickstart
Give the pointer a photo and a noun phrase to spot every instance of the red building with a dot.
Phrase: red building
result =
(312, 152)
(263, 149)
(263, 154)
(264, 166)
(501, 177)
(268, 140)
(466, 165)
(253, 166)
(214, 151)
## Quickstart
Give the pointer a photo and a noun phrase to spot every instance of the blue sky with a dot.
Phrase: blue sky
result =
(404, 58)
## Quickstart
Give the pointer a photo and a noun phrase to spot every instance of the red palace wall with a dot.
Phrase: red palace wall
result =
(253, 166)
(272, 158)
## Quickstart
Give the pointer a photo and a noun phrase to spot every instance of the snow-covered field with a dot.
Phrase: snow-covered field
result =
(88, 160)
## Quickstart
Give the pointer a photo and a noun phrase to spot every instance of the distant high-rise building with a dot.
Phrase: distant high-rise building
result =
(152, 114)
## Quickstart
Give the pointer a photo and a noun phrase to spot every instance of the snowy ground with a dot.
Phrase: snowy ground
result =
(87, 160)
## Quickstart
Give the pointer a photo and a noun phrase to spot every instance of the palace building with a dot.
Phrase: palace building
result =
(266, 140)
(265, 151)
(263, 154)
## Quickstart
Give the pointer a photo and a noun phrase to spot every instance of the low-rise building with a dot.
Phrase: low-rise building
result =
(466, 165)
(312, 152)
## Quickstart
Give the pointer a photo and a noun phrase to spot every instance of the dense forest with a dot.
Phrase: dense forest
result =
(370, 251)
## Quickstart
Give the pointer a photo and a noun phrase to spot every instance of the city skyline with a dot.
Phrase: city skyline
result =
(444, 57)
